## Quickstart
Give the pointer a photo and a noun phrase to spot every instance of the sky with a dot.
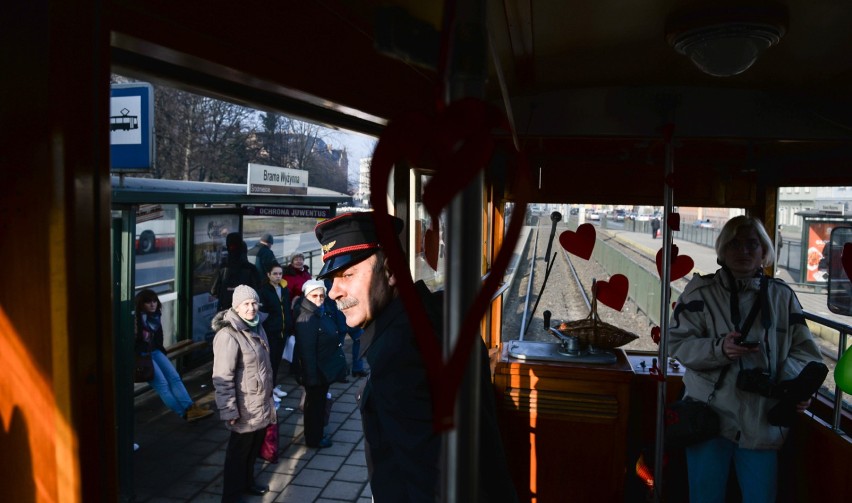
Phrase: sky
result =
(357, 146)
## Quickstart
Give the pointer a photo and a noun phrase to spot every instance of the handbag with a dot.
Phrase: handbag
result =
(269, 447)
(689, 422)
(143, 369)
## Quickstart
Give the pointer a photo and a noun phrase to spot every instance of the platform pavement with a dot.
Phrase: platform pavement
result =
(179, 461)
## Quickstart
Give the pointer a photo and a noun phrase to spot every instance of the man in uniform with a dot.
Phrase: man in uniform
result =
(402, 448)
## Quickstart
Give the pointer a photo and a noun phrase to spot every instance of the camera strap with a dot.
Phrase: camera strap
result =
(760, 301)
(718, 383)
(735, 315)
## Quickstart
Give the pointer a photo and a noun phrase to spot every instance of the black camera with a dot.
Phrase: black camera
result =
(756, 381)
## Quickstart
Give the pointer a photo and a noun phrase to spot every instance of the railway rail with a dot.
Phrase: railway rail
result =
(566, 295)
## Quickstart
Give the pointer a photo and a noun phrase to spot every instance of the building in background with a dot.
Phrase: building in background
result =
(362, 194)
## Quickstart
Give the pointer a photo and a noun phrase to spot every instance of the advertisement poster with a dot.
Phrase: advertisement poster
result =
(819, 234)
(207, 254)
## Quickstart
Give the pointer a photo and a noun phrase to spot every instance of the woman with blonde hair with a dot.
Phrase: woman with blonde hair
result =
(749, 354)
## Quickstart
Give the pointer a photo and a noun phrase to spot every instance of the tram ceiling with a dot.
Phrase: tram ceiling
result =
(707, 172)
(589, 84)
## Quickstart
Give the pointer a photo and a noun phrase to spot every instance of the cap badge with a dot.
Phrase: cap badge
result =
(328, 246)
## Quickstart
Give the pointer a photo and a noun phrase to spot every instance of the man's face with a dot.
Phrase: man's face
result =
(361, 291)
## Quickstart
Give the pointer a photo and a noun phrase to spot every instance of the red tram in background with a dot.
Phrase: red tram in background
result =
(596, 103)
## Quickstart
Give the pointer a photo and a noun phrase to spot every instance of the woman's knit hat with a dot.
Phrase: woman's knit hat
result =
(311, 285)
(243, 293)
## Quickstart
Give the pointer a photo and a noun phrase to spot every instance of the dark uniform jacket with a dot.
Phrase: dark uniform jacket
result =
(402, 449)
(322, 361)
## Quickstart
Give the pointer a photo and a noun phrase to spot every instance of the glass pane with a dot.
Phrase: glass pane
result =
(429, 249)
(155, 247)
(290, 235)
(839, 287)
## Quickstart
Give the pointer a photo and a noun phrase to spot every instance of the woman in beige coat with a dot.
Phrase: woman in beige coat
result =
(242, 376)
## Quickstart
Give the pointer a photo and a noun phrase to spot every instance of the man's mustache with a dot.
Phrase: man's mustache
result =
(346, 303)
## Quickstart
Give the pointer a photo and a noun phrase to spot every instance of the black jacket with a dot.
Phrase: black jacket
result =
(279, 322)
(233, 273)
(154, 337)
(263, 259)
(318, 347)
(402, 449)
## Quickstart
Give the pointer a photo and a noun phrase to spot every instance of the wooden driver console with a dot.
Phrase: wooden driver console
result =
(564, 426)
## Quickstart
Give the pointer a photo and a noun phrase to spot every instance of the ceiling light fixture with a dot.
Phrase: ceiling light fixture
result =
(724, 42)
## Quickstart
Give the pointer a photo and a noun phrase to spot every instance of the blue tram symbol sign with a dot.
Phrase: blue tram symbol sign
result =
(131, 126)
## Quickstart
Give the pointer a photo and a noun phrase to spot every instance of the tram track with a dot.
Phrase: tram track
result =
(568, 292)
(566, 295)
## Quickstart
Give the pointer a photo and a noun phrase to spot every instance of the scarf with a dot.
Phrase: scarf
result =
(252, 323)
(152, 321)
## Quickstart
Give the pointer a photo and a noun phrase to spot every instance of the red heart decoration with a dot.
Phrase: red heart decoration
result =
(655, 334)
(431, 246)
(674, 221)
(613, 293)
(846, 259)
(456, 142)
(681, 264)
(580, 243)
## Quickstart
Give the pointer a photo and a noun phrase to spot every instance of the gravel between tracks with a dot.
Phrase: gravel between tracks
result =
(560, 296)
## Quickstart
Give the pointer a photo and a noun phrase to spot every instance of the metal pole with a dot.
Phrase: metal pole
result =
(466, 78)
(666, 292)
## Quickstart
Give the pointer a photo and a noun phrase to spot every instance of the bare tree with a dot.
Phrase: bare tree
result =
(204, 139)
(199, 138)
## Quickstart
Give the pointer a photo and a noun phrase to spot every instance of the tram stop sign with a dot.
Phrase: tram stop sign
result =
(131, 126)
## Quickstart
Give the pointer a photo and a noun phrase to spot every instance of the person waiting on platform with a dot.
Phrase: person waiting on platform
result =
(275, 302)
(296, 273)
(402, 449)
(242, 377)
(321, 359)
(166, 382)
(343, 330)
(263, 255)
(747, 351)
(235, 270)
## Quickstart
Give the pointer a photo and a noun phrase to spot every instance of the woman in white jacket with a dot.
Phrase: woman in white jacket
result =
(242, 376)
(750, 330)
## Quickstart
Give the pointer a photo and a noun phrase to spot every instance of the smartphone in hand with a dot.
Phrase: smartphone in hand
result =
(747, 344)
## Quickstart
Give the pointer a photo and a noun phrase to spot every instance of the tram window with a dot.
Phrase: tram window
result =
(839, 287)
(429, 246)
